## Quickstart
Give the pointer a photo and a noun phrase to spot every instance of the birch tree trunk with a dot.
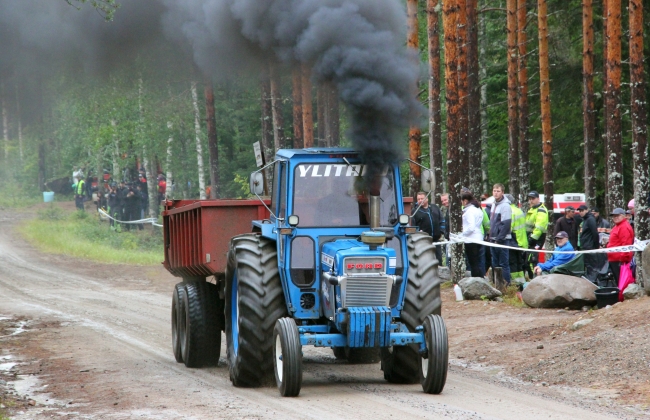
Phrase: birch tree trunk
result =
(513, 137)
(20, 125)
(450, 22)
(151, 189)
(435, 120)
(169, 179)
(415, 135)
(117, 174)
(474, 99)
(5, 122)
(639, 121)
(307, 116)
(613, 100)
(267, 129)
(199, 148)
(522, 84)
(545, 98)
(276, 107)
(588, 116)
(296, 82)
(213, 141)
(463, 93)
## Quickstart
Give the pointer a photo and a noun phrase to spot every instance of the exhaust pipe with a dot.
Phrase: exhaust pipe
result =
(374, 202)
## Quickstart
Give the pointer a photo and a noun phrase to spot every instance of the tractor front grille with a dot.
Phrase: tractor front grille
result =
(365, 291)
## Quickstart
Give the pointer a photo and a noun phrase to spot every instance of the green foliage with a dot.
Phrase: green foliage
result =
(512, 297)
(52, 212)
(106, 7)
(81, 235)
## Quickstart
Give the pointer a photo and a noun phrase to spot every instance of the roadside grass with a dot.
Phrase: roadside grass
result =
(511, 297)
(14, 197)
(82, 235)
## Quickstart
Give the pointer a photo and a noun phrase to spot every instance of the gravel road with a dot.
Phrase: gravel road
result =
(94, 341)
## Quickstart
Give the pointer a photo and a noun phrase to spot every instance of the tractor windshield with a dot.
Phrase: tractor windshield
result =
(334, 195)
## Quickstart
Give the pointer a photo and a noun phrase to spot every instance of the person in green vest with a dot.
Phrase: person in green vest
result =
(518, 227)
(80, 194)
(536, 225)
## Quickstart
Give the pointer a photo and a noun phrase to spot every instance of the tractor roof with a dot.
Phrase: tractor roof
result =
(289, 153)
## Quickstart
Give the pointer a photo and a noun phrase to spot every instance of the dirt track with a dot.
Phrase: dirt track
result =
(97, 345)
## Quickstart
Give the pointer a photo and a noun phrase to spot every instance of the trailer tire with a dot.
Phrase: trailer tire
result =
(254, 302)
(287, 357)
(401, 364)
(178, 322)
(202, 334)
(434, 367)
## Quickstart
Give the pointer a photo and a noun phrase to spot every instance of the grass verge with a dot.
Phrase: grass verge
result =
(513, 297)
(84, 236)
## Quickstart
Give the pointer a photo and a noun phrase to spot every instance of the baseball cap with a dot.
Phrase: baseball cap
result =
(595, 210)
(583, 207)
(569, 208)
(617, 211)
(562, 234)
(533, 194)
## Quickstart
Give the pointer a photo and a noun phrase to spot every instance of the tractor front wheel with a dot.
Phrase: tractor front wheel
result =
(434, 367)
(287, 355)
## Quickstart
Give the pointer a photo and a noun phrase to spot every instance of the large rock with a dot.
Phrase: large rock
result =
(645, 264)
(444, 273)
(476, 288)
(633, 291)
(559, 291)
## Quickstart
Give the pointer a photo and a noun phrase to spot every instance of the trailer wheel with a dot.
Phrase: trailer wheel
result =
(178, 322)
(254, 302)
(401, 364)
(202, 335)
(434, 367)
(287, 357)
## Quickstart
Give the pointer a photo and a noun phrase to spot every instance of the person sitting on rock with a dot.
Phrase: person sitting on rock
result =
(563, 244)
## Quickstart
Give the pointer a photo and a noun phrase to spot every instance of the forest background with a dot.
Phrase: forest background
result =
(78, 89)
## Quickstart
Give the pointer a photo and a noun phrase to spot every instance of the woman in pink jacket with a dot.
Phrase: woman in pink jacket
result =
(621, 235)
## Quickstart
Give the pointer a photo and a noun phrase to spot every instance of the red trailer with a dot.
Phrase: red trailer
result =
(197, 232)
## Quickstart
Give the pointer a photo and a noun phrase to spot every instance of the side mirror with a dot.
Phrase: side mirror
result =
(293, 220)
(257, 183)
(427, 180)
(404, 219)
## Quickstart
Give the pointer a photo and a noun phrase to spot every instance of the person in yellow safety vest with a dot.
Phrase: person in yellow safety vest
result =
(536, 225)
(79, 194)
(518, 229)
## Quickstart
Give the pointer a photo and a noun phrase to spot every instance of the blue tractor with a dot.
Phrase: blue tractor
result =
(335, 265)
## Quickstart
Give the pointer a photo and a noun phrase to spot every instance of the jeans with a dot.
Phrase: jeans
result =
(500, 259)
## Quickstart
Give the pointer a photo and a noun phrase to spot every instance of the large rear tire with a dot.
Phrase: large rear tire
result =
(202, 335)
(178, 321)
(434, 367)
(287, 357)
(401, 364)
(254, 302)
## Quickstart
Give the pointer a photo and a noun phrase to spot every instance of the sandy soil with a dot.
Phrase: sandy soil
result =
(87, 340)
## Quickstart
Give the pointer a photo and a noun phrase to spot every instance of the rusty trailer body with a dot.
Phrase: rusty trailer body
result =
(197, 233)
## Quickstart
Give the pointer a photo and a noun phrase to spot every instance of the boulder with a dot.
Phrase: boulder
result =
(476, 288)
(645, 264)
(633, 291)
(444, 273)
(559, 291)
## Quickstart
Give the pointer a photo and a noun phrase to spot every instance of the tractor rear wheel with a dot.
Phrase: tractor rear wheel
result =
(401, 364)
(254, 302)
(202, 335)
(434, 366)
(287, 357)
(178, 321)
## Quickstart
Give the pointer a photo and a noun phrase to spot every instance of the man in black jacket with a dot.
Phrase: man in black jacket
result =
(589, 240)
(567, 223)
(427, 218)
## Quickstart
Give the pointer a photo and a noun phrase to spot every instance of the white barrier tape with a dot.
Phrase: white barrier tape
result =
(637, 246)
(151, 220)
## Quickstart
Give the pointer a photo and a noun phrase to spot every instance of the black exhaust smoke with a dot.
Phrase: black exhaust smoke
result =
(356, 44)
